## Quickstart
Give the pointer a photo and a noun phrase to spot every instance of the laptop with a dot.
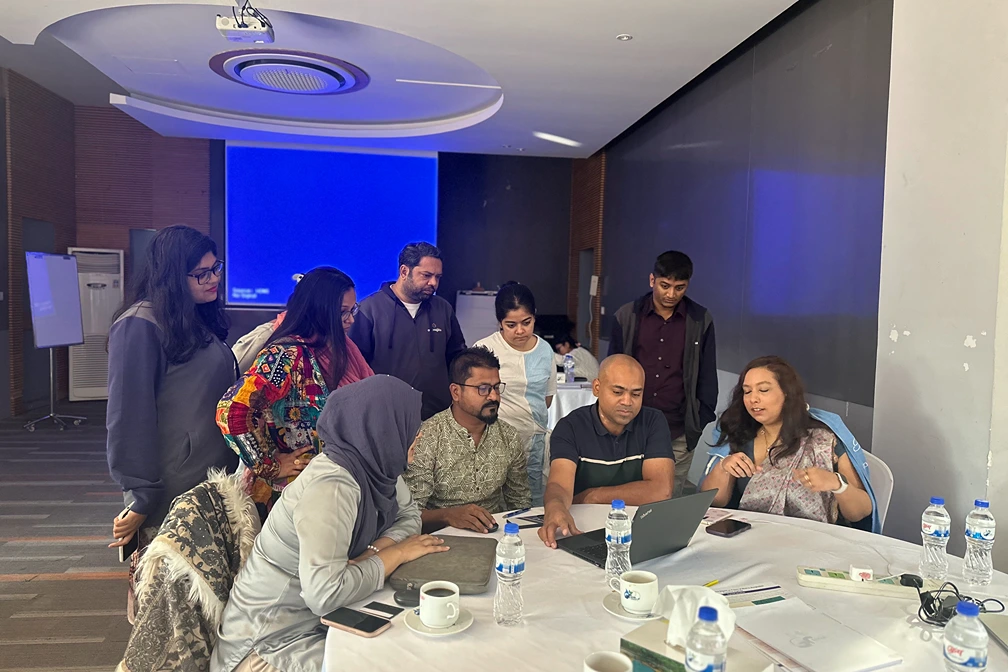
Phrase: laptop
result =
(997, 626)
(661, 528)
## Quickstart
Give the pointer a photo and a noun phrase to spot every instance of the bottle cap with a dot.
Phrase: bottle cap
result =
(618, 504)
(981, 504)
(510, 528)
(965, 608)
(938, 501)
(708, 614)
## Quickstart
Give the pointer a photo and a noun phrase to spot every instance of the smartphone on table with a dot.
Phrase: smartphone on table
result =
(729, 527)
(357, 622)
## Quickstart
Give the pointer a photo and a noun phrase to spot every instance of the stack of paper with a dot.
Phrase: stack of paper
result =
(647, 648)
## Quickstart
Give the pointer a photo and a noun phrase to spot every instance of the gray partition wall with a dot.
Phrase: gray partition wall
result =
(768, 171)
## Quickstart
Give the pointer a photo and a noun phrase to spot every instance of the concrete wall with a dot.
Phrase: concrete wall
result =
(942, 260)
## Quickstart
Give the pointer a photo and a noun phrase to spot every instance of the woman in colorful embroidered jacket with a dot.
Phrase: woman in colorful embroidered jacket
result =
(269, 416)
(783, 460)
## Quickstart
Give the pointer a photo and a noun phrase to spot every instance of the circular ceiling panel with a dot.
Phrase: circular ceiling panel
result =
(286, 71)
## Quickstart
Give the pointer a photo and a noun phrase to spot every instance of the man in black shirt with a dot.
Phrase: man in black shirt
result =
(614, 449)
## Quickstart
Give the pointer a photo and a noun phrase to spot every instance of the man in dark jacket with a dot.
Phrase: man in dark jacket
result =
(405, 331)
(672, 337)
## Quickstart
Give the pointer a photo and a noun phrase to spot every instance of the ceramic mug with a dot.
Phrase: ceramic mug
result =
(638, 591)
(439, 604)
(607, 661)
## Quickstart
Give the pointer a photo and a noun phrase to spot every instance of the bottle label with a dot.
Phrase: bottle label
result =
(965, 656)
(510, 566)
(703, 662)
(984, 533)
(617, 538)
(933, 530)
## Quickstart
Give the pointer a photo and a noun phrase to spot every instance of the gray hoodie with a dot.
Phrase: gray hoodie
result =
(162, 435)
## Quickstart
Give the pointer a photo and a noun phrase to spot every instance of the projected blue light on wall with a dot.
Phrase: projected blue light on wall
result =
(806, 257)
(289, 211)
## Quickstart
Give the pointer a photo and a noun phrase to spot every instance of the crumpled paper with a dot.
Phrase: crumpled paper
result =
(681, 604)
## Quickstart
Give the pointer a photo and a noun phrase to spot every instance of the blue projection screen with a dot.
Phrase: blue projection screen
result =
(290, 210)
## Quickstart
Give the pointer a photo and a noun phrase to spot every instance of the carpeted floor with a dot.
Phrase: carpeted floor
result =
(62, 591)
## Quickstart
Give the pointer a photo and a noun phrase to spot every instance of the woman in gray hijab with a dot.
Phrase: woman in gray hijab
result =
(334, 536)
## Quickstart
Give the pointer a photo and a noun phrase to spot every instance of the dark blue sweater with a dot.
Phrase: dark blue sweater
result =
(416, 350)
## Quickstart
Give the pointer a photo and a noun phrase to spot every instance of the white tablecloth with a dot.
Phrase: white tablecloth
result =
(569, 397)
(565, 620)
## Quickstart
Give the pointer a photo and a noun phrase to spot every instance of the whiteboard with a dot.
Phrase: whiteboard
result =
(55, 299)
(476, 314)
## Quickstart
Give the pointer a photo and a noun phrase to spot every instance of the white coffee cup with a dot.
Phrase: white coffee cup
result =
(607, 661)
(439, 604)
(638, 591)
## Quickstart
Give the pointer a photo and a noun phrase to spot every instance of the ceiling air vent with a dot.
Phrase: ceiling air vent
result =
(289, 71)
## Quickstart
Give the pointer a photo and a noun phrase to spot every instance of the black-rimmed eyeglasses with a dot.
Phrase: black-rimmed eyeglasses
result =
(484, 389)
(203, 276)
(347, 314)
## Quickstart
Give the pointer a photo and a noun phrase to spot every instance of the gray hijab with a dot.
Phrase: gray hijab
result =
(367, 428)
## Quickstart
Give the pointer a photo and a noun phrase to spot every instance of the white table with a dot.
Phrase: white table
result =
(569, 397)
(565, 621)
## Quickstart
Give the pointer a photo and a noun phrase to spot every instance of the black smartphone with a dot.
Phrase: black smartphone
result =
(127, 551)
(356, 622)
(407, 598)
(387, 609)
(727, 528)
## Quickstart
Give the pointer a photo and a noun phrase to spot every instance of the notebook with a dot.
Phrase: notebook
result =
(468, 564)
(815, 640)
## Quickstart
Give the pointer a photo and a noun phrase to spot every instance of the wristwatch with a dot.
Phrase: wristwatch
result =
(843, 484)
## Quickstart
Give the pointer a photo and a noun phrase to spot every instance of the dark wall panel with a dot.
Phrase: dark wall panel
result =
(505, 218)
(769, 172)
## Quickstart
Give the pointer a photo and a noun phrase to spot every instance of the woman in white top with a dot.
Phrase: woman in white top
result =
(529, 376)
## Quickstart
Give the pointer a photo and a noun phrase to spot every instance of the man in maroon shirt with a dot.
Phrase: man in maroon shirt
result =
(672, 337)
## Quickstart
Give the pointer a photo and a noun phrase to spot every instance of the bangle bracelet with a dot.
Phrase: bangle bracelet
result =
(372, 547)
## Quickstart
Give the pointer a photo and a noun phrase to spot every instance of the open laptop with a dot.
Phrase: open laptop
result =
(997, 626)
(661, 528)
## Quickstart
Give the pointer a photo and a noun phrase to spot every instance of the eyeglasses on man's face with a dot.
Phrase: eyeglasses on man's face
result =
(203, 277)
(484, 389)
(347, 314)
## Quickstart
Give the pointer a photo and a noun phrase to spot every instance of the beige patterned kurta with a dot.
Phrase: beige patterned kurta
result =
(449, 470)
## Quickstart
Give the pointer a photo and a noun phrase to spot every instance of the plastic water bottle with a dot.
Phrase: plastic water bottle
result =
(510, 567)
(568, 362)
(978, 569)
(706, 646)
(618, 535)
(966, 640)
(935, 524)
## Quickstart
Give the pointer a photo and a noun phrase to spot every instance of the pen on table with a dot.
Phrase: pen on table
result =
(710, 584)
(518, 512)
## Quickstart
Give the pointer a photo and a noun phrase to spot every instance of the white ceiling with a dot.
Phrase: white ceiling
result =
(557, 63)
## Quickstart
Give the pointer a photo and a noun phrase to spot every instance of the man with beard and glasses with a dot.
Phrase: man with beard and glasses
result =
(469, 465)
(404, 330)
(613, 449)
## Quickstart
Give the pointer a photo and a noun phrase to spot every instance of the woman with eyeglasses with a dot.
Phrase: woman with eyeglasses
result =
(168, 365)
(269, 416)
(528, 370)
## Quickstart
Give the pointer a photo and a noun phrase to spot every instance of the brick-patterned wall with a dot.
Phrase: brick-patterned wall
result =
(129, 177)
(40, 184)
(587, 201)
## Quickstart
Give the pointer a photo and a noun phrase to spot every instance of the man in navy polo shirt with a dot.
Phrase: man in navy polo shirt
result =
(614, 449)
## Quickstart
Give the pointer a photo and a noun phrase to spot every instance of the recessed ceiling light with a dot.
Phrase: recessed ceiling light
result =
(558, 139)
(521, 149)
(624, 37)
(506, 146)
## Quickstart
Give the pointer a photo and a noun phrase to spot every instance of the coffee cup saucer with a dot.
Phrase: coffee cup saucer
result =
(613, 605)
(413, 622)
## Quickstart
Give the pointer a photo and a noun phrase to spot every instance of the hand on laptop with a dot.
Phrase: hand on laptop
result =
(557, 519)
(469, 517)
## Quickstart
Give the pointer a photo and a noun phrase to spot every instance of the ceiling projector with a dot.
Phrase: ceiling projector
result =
(249, 30)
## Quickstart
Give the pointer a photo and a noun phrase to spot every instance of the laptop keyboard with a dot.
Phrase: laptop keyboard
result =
(597, 552)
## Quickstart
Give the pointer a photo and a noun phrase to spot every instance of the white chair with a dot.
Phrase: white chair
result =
(882, 484)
